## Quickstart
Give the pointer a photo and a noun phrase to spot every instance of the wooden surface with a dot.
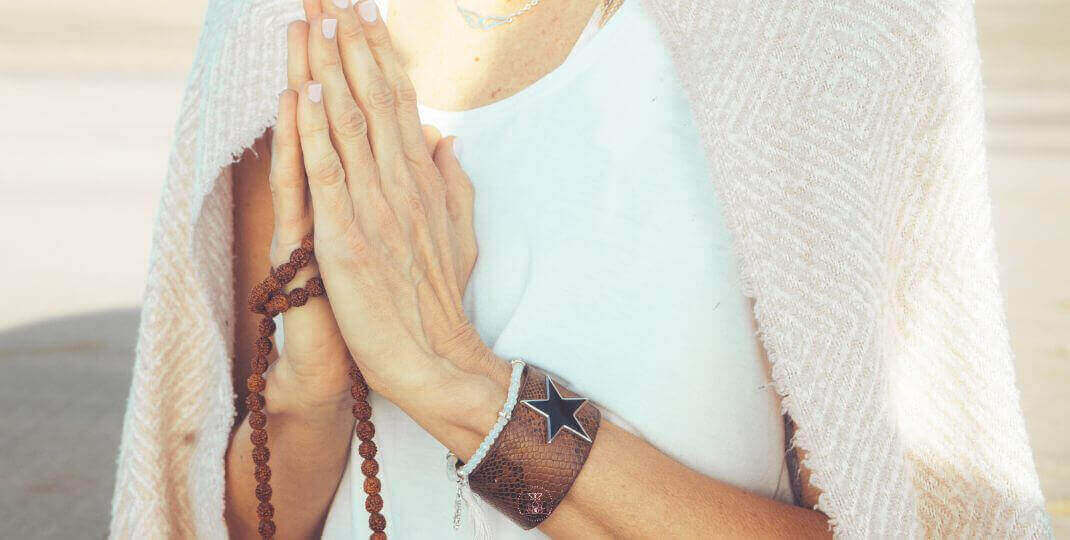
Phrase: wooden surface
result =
(89, 93)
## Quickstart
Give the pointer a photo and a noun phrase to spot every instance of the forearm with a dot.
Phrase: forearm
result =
(628, 488)
(309, 451)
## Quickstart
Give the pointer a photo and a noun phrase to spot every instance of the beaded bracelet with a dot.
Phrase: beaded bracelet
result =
(461, 475)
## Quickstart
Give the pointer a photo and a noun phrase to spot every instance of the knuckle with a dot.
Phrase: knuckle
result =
(326, 170)
(352, 124)
(378, 39)
(351, 32)
(380, 95)
(404, 91)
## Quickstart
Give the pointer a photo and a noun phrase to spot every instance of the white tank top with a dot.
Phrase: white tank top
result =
(604, 260)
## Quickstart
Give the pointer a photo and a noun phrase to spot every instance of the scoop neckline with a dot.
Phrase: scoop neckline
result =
(575, 64)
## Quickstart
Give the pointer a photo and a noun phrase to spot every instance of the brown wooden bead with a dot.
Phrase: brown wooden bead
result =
(266, 327)
(260, 292)
(258, 437)
(376, 521)
(257, 419)
(369, 467)
(373, 503)
(285, 272)
(266, 528)
(265, 510)
(254, 402)
(255, 383)
(300, 257)
(359, 390)
(261, 455)
(262, 473)
(372, 485)
(365, 430)
(315, 287)
(263, 491)
(263, 346)
(306, 242)
(298, 297)
(259, 364)
(362, 410)
(367, 449)
(277, 303)
(378, 535)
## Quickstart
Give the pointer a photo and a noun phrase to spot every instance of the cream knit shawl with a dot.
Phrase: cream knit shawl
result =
(846, 141)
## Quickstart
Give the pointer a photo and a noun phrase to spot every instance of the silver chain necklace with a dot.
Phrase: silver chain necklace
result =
(480, 21)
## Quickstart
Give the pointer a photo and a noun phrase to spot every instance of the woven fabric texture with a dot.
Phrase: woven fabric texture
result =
(846, 140)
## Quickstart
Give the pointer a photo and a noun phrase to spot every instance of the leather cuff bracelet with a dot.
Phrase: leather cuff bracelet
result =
(535, 459)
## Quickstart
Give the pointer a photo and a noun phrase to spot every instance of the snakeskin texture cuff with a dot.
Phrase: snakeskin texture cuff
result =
(536, 458)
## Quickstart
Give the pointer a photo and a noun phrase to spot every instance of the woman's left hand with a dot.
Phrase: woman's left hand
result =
(392, 215)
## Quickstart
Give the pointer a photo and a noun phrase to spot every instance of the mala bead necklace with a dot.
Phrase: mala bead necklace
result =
(269, 299)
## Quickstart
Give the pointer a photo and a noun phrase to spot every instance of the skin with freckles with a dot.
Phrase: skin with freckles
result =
(391, 210)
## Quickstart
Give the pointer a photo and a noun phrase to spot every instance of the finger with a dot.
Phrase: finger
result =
(460, 204)
(408, 116)
(365, 80)
(349, 128)
(287, 176)
(332, 207)
(297, 55)
(306, 330)
(312, 8)
(431, 137)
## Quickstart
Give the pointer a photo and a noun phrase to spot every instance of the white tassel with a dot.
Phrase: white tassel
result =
(477, 514)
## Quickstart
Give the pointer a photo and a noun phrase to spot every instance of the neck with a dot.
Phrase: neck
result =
(455, 66)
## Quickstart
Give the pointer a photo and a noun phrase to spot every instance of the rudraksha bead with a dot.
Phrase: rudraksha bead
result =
(257, 419)
(315, 287)
(367, 449)
(377, 535)
(365, 430)
(266, 327)
(262, 473)
(263, 491)
(298, 297)
(259, 364)
(359, 390)
(377, 522)
(373, 503)
(265, 510)
(372, 485)
(266, 528)
(263, 346)
(306, 242)
(361, 410)
(300, 257)
(258, 437)
(277, 303)
(255, 383)
(285, 272)
(261, 454)
(369, 467)
(254, 402)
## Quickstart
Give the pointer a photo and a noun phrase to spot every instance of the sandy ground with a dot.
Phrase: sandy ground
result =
(88, 94)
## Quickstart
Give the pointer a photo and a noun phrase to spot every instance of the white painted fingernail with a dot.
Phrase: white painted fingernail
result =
(341, 4)
(368, 11)
(329, 27)
(315, 92)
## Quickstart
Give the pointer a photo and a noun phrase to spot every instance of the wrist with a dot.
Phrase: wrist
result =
(461, 408)
(325, 402)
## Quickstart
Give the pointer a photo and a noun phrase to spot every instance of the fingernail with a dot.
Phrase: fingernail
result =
(341, 4)
(315, 92)
(368, 11)
(329, 26)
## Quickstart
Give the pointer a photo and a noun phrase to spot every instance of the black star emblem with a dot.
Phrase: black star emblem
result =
(560, 412)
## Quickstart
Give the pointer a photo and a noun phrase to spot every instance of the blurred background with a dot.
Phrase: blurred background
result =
(88, 96)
